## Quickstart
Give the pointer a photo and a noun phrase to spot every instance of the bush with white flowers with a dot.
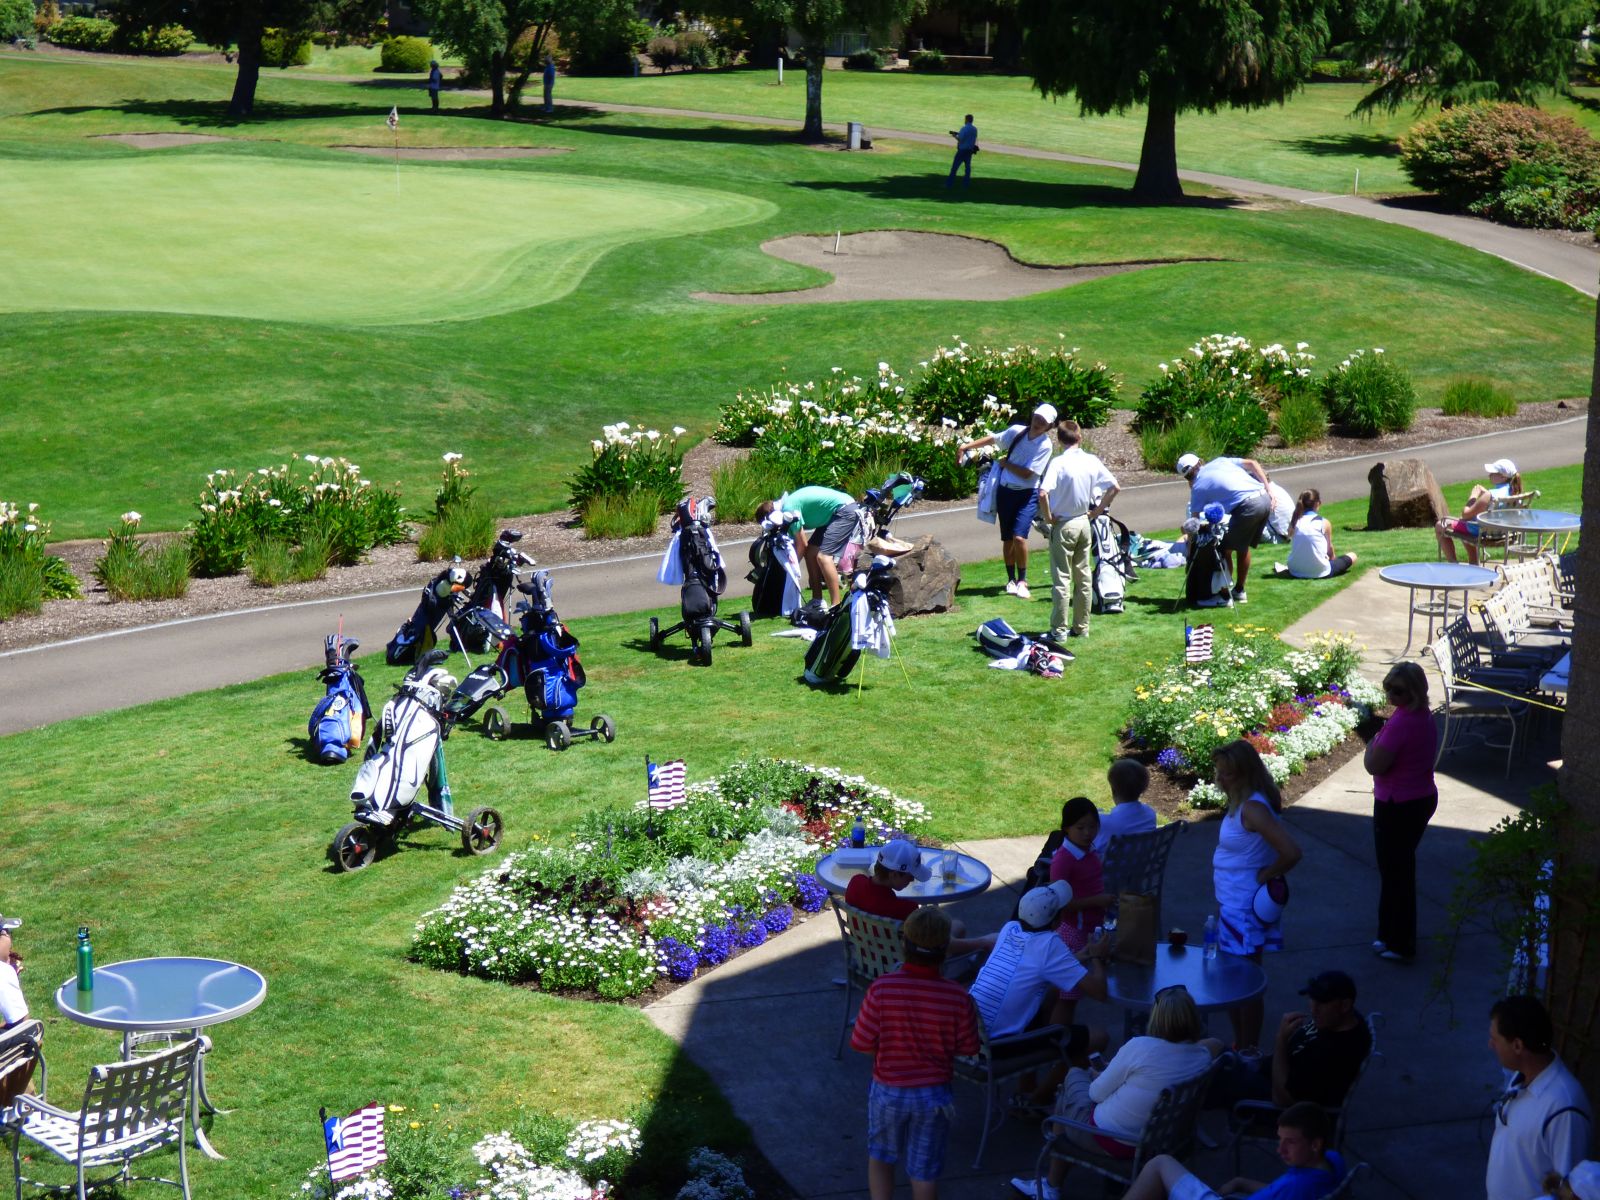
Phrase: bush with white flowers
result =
(29, 575)
(637, 895)
(628, 462)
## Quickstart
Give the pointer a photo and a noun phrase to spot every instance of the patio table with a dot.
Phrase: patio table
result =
(166, 995)
(971, 876)
(1213, 983)
(1556, 678)
(1433, 577)
(1546, 524)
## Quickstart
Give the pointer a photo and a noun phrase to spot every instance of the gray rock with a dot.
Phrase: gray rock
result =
(1405, 495)
(925, 580)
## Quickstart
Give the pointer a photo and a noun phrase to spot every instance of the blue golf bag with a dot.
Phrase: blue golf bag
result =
(552, 675)
(419, 634)
(339, 720)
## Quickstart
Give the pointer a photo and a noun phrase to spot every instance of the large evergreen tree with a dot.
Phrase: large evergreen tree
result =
(1172, 56)
(1453, 51)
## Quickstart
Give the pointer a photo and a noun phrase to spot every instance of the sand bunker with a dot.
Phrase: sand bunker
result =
(454, 153)
(901, 265)
(160, 141)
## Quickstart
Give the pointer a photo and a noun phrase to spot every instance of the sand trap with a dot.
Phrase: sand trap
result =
(160, 141)
(454, 153)
(901, 265)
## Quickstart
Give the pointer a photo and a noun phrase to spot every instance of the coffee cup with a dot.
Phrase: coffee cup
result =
(1178, 939)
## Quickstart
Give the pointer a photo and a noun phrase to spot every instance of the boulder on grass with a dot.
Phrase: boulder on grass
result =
(1405, 495)
(924, 581)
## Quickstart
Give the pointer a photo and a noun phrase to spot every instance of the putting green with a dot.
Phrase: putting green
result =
(326, 243)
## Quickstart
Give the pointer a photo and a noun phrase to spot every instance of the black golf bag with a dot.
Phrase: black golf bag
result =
(339, 720)
(884, 502)
(1112, 570)
(860, 621)
(1207, 582)
(694, 563)
(495, 581)
(774, 569)
(441, 596)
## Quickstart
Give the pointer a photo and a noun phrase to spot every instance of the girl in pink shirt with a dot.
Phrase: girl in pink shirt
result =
(1079, 865)
(1404, 798)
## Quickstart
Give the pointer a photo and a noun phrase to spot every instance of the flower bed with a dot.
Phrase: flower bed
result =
(1292, 705)
(638, 895)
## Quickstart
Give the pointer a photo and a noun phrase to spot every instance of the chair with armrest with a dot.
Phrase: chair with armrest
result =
(871, 948)
(1463, 702)
(1512, 542)
(1136, 863)
(1002, 1059)
(22, 1059)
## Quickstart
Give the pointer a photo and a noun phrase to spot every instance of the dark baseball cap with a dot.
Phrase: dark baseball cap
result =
(1330, 985)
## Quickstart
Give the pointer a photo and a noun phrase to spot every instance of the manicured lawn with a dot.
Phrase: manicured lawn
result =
(120, 408)
(196, 826)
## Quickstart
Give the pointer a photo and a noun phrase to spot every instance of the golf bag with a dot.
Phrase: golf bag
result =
(693, 561)
(1207, 582)
(495, 581)
(1017, 652)
(883, 503)
(861, 621)
(1112, 569)
(552, 674)
(774, 568)
(340, 718)
(440, 596)
(408, 737)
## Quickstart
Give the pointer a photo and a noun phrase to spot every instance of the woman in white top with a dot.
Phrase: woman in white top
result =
(1311, 553)
(1252, 847)
(1121, 1098)
(1504, 480)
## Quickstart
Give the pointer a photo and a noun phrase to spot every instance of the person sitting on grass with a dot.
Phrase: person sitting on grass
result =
(1313, 1169)
(1311, 553)
(1504, 480)
(1128, 779)
(914, 1023)
(898, 864)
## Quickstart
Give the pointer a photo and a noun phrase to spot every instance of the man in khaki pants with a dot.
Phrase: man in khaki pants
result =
(1067, 504)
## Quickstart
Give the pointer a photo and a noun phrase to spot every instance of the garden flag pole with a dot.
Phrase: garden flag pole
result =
(394, 128)
(354, 1144)
(664, 783)
(1197, 643)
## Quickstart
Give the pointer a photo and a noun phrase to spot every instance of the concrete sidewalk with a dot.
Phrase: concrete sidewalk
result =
(765, 1025)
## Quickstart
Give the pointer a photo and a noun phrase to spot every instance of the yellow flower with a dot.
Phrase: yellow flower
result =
(416, 1124)
(397, 1108)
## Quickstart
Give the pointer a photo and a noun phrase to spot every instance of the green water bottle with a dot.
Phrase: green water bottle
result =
(85, 960)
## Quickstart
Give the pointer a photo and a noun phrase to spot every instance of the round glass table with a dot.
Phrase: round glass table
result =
(1545, 524)
(967, 877)
(161, 996)
(1435, 577)
(1213, 983)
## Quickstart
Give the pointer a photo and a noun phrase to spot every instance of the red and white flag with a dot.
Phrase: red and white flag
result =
(355, 1144)
(1197, 643)
(394, 117)
(664, 782)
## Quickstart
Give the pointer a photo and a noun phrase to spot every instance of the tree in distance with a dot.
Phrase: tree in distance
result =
(1449, 52)
(1172, 57)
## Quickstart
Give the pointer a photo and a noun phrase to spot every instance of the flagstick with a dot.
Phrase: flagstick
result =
(326, 1153)
(397, 160)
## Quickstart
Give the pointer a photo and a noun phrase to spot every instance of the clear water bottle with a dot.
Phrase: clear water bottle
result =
(858, 833)
(1211, 936)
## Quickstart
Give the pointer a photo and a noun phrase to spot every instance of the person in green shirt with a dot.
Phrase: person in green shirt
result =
(828, 520)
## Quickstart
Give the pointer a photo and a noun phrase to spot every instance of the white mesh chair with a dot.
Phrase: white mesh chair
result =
(21, 1059)
(129, 1109)
(871, 948)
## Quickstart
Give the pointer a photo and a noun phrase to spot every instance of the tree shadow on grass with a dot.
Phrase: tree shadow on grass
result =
(1335, 145)
(583, 120)
(998, 190)
(211, 114)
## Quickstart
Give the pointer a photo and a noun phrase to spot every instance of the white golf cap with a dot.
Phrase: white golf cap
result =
(903, 856)
(7, 924)
(1500, 466)
(1048, 412)
(1187, 463)
(1040, 907)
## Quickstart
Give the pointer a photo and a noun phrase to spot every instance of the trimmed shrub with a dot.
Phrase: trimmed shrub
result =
(465, 528)
(16, 19)
(609, 516)
(1369, 395)
(662, 52)
(272, 562)
(1162, 446)
(161, 41)
(739, 485)
(1302, 418)
(405, 56)
(285, 48)
(84, 33)
(1473, 397)
(696, 51)
(865, 60)
(927, 60)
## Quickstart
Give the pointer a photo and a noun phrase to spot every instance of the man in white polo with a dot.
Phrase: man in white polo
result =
(1075, 490)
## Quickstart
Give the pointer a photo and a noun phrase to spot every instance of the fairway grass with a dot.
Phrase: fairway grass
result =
(501, 241)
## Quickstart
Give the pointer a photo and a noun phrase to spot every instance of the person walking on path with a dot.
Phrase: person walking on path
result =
(435, 82)
(549, 84)
(1076, 489)
(1404, 798)
(1027, 454)
(1543, 1119)
(1240, 486)
(1253, 847)
(966, 146)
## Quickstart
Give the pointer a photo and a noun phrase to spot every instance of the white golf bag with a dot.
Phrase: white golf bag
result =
(405, 742)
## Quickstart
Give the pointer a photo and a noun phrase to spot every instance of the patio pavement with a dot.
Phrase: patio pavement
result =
(764, 1026)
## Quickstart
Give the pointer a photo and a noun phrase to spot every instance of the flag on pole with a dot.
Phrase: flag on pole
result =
(1197, 643)
(355, 1144)
(664, 783)
(394, 117)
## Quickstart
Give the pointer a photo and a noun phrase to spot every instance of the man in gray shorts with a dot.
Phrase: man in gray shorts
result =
(1240, 486)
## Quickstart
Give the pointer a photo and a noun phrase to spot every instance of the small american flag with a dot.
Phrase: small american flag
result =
(1197, 643)
(355, 1144)
(394, 117)
(664, 782)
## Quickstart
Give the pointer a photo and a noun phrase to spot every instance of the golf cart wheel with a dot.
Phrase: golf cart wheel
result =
(496, 723)
(606, 726)
(354, 847)
(557, 736)
(481, 833)
(655, 634)
(745, 636)
(702, 644)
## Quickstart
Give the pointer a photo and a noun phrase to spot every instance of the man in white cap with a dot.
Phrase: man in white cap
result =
(1240, 486)
(1075, 490)
(13, 1012)
(1026, 455)
(898, 865)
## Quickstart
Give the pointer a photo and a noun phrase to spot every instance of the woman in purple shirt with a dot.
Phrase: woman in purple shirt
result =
(1400, 760)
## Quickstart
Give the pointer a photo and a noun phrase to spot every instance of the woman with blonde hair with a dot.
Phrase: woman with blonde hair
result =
(1311, 553)
(1121, 1098)
(1253, 848)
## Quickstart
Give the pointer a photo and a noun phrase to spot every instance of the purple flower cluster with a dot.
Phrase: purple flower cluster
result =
(1173, 760)
(812, 895)
(716, 942)
(778, 918)
(752, 933)
(681, 961)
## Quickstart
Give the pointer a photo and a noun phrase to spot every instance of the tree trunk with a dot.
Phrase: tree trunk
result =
(243, 102)
(1157, 181)
(497, 84)
(1575, 910)
(816, 59)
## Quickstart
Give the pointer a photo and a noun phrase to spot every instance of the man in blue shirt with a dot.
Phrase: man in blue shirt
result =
(966, 146)
(1240, 486)
(1313, 1169)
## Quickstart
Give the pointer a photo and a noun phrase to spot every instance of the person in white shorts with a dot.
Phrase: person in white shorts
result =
(1313, 1169)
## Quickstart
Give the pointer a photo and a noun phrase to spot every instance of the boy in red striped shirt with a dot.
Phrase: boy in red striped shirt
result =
(914, 1023)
